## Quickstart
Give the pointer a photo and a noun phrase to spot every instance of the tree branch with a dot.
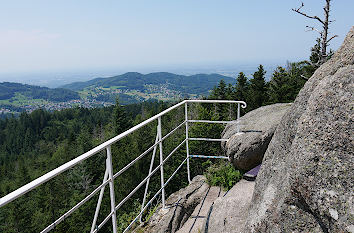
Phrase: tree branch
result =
(304, 77)
(314, 29)
(332, 38)
(308, 16)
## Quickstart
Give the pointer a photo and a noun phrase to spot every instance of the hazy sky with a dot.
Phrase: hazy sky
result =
(86, 34)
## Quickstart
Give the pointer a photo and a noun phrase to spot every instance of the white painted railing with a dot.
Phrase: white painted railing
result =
(109, 176)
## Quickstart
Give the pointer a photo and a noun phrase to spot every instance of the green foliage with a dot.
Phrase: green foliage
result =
(120, 120)
(36, 143)
(124, 219)
(280, 88)
(242, 87)
(152, 210)
(258, 89)
(283, 87)
(222, 174)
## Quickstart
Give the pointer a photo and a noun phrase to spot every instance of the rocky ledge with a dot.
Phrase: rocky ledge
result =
(246, 150)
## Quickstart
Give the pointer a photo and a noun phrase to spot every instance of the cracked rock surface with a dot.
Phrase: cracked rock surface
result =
(306, 182)
(228, 213)
(180, 205)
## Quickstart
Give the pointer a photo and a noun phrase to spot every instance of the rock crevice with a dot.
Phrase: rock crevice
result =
(179, 207)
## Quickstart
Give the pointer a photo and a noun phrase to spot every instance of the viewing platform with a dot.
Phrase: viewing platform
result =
(110, 175)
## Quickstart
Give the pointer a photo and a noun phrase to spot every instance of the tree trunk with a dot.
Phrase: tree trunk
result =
(325, 32)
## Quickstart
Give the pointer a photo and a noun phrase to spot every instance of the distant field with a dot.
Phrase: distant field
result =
(20, 100)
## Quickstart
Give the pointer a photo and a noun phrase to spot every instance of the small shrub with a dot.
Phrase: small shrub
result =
(223, 174)
(151, 211)
(125, 218)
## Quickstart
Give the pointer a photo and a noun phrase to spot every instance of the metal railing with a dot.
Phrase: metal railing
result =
(109, 176)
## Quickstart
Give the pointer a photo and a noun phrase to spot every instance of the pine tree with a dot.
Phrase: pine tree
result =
(220, 91)
(297, 71)
(280, 90)
(242, 87)
(258, 88)
(120, 120)
(230, 92)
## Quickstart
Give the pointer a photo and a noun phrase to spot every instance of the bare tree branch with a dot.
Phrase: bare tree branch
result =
(308, 16)
(314, 29)
(298, 9)
(324, 42)
(331, 38)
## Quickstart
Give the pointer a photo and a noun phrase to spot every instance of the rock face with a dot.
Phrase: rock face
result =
(179, 206)
(228, 213)
(306, 181)
(246, 150)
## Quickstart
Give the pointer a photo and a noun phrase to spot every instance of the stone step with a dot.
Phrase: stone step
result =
(229, 212)
(195, 222)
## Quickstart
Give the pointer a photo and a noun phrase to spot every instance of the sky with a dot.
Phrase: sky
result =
(86, 35)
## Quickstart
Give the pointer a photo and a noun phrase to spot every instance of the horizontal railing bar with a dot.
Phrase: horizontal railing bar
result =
(146, 178)
(152, 199)
(35, 183)
(68, 213)
(209, 139)
(179, 126)
(145, 152)
(217, 122)
(40, 180)
(243, 104)
(209, 157)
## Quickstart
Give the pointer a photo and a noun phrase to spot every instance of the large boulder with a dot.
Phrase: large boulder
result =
(246, 150)
(179, 206)
(306, 181)
(229, 212)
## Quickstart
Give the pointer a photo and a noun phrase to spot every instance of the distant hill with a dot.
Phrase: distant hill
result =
(129, 87)
(9, 90)
(199, 84)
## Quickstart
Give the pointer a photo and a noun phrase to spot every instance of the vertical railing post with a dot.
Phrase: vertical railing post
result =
(111, 188)
(161, 160)
(187, 138)
(238, 118)
(148, 180)
(93, 226)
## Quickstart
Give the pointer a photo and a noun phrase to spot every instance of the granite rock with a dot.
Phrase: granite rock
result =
(179, 206)
(306, 181)
(246, 150)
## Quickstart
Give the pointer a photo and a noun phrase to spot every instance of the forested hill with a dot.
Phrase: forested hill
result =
(199, 84)
(129, 88)
(9, 90)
